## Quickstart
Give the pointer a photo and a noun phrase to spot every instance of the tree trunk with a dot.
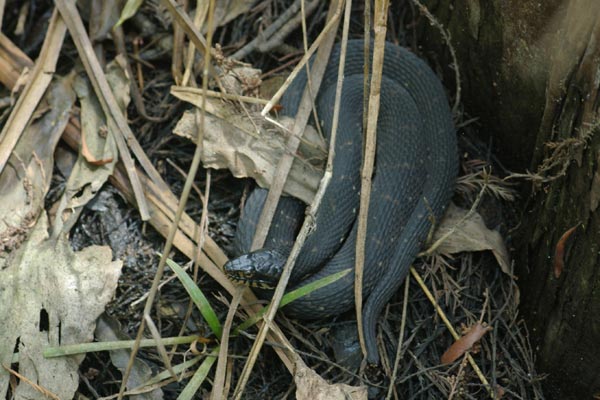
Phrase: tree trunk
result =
(530, 70)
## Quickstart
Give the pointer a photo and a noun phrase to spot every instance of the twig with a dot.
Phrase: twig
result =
(327, 36)
(178, 44)
(34, 90)
(276, 39)
(34, 385)
(194, 35)
(136, 94)
(392, 386)
(448, 324)
(182, 202)
(271, 30)
(114, 116)
(446, 35)
(219, 381)
(199, 17)
(202, 233)
(220, 95)
(380, 17)
(2, 4)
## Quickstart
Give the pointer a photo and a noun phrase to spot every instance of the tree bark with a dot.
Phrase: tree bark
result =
(530, 70)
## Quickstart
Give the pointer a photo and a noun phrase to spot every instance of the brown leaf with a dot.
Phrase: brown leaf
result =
(465, 343)
(559, 252)
(500, 392)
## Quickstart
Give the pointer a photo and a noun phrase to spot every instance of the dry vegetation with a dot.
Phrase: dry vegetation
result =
(158, 180)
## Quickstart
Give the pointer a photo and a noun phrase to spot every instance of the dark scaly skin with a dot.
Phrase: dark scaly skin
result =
(416, 166)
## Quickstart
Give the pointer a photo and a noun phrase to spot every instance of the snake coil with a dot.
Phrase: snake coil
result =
(416, 167)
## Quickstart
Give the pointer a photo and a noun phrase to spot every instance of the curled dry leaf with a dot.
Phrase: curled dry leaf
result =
(465, 343)
(559, 252)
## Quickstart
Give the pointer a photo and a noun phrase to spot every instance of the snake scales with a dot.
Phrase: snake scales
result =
(416, 166)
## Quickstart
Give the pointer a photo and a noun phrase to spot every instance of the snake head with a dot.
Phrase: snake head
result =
(260, 268)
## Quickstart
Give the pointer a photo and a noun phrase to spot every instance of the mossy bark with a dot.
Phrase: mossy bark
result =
(530, 71)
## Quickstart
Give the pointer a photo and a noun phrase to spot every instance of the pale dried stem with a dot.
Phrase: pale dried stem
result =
(303, 113)
(180, 209)
(114, 116)
(35, 88)
(278, 29)
(380, 19)
(451, 329)
(392, 387)
(199, 17)
(219, 381)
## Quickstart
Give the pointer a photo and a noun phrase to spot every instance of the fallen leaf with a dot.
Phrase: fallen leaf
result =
(469, 233)
(108, 329)
(465, 343)
(98, 153)
(310, 386)
(559, 252)
(50, 296)
(500, 392)
(230, 141)
(26, 179)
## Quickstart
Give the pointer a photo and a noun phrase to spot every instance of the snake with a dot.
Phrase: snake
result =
(413, 182)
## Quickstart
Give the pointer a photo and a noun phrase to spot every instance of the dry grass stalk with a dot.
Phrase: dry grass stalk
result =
(34, 90)
(380, 17)
(324, 42)
(115, 118)
(303, 113)
(182, 202)
(450, 327)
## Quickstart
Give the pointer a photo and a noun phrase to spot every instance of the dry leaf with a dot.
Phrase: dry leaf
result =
(465, 343)
(228, 10)
(26, 179)
(51, 296)
(108, 329)
(99, 152)
(559, 252)
(500, 392)
(469, 233)
(231, 141)
(310, 386)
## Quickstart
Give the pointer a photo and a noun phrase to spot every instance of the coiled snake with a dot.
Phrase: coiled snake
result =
(416, 167)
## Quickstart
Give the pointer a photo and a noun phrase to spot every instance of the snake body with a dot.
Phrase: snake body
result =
(416, 167)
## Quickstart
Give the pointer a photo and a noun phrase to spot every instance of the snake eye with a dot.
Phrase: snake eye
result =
(260, 269)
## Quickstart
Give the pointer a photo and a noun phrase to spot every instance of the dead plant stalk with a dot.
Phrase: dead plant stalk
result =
(380, 17)
(174, 226)
(327, 39)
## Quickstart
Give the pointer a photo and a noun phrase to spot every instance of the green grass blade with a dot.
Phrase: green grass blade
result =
(294, 295)
(198, 298)
(129, 10)
(200, 375)
(70, 349)
(178, 369)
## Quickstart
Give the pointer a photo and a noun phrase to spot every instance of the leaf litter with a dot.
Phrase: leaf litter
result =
(458, 282)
